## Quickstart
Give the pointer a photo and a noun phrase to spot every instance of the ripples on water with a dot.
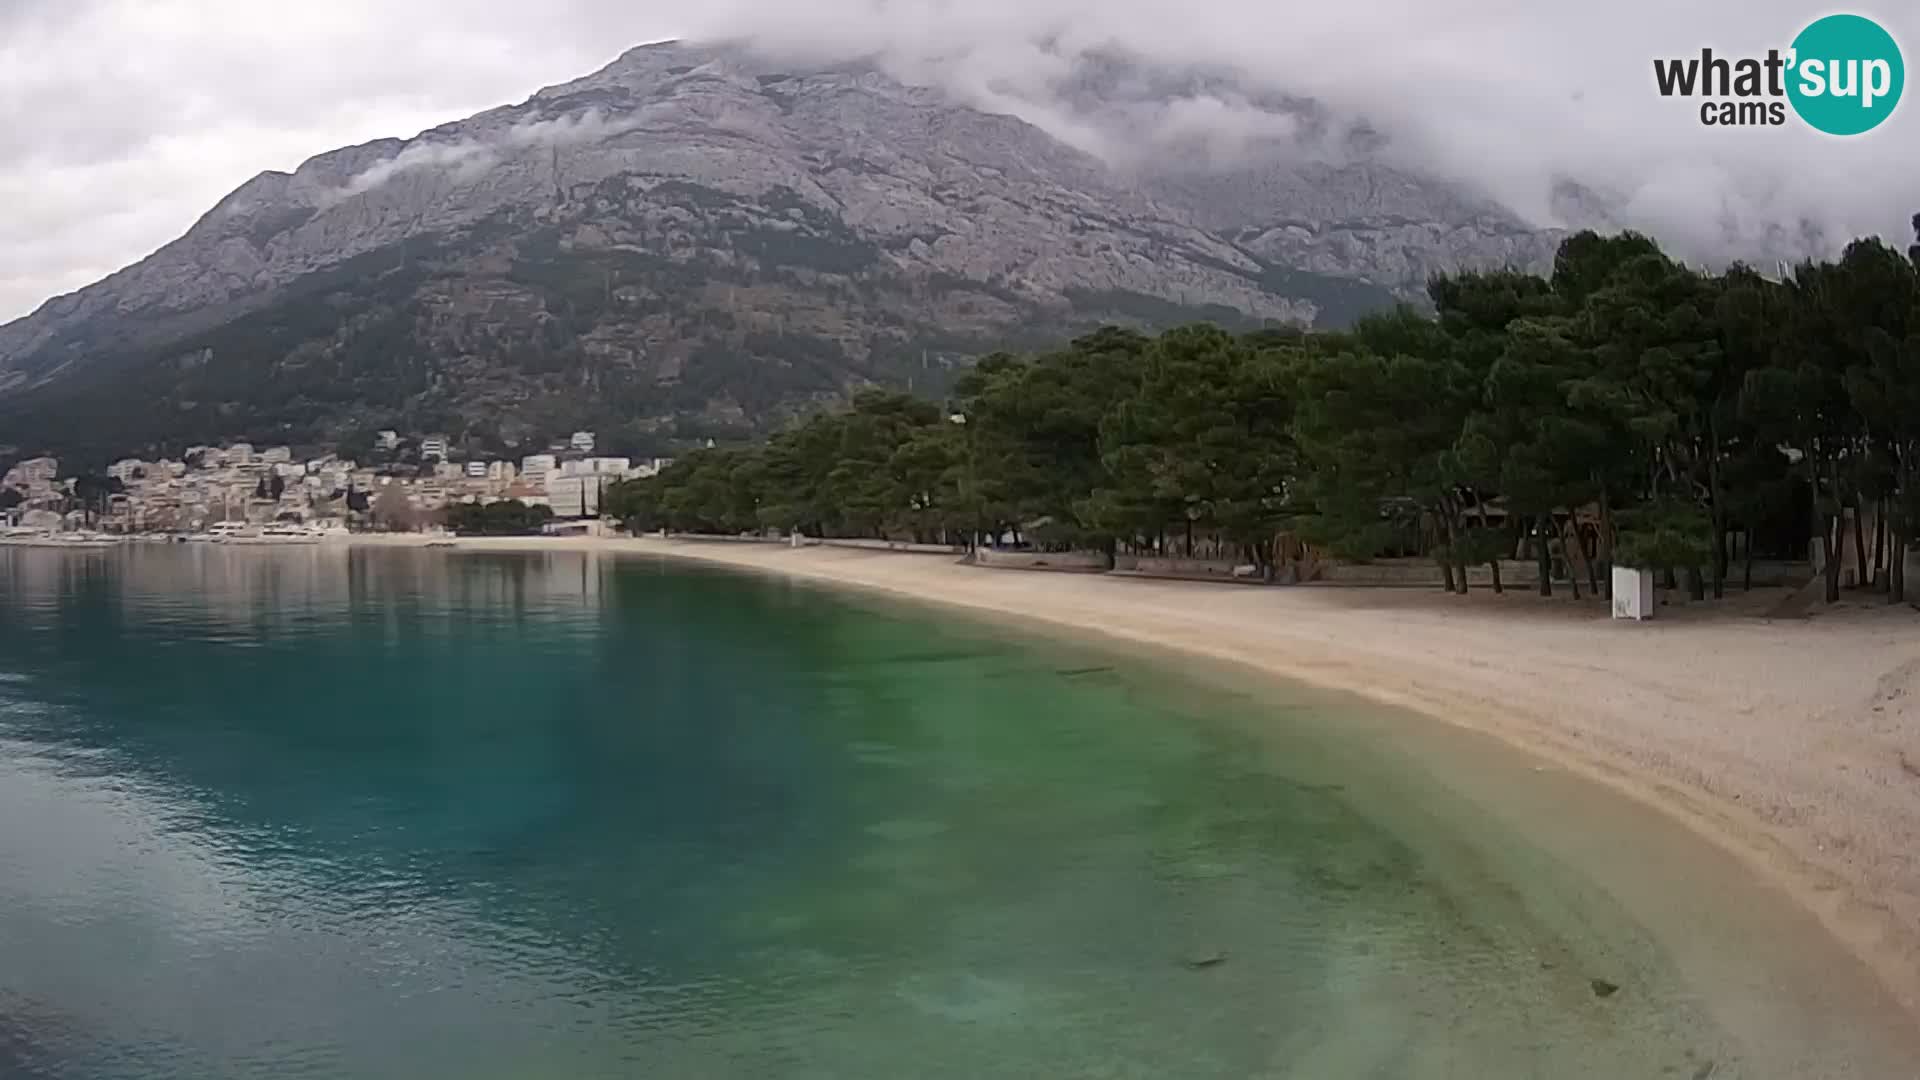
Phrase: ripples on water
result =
(394, 814)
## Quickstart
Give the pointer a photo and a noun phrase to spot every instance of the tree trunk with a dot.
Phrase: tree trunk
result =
(1446, 571)
(1543, 554)
(1834, 527)
(1667, 579)
(1898, 593)
(1696, 584)
(1747, 583)
(1573, 573)
(1493, 564)
(1720, 559)
(1719, 511)
(1897, 572)
(1880, 546)
(1860, 544)
(1603, 542)
(1831, 527)
(1454, 554)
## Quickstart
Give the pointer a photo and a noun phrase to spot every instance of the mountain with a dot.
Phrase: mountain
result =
(697, 241)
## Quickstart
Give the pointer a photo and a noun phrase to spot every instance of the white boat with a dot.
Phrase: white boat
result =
(44, 538)
(279, 534)
(289, 534)
(221, 532)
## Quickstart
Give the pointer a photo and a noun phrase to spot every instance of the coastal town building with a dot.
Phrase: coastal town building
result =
(241, 485)
(535, 468)
(33, 478)
(597, 466)
(577, 496)
(433, 446)
(582, 442)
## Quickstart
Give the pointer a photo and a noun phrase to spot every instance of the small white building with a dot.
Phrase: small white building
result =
(535, 469)
(34, 476)
(433, 446)
(608, 466)
(477, 470)
(582, 441)
(387, 440)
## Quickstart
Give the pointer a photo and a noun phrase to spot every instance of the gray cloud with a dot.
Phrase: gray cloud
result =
(465, 160)
(121, 121)
(1511, 98)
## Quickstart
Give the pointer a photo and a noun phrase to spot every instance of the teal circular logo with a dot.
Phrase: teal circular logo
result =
(1846, 74)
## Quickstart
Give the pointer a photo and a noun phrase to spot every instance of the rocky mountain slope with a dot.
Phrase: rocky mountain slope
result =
(693, 242)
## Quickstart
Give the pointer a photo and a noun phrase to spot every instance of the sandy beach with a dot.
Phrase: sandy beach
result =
(1790, 743)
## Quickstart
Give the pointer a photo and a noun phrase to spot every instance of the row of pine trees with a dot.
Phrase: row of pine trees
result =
(1626, 409)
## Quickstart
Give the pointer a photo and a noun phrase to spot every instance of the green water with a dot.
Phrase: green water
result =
(328, 813)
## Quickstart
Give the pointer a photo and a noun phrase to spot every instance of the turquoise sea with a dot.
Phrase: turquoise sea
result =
(401, 814)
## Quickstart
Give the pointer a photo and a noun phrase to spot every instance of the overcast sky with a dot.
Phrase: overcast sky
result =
(121, 121)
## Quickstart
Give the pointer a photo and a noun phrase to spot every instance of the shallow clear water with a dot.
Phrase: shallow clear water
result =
(328, 813)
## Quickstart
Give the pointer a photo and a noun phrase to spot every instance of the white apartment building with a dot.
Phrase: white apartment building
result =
(34, 476)
(582, 441)
(536, 468)
(434, 446)
(576, 496)
(278, 455)
(477, 470)
(387, 440)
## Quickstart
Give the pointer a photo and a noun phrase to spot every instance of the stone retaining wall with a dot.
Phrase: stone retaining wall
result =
(1081, 562)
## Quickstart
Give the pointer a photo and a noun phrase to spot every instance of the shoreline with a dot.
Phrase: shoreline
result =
(1779, 742)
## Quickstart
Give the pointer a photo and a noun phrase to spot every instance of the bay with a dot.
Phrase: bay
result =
(365, 813)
